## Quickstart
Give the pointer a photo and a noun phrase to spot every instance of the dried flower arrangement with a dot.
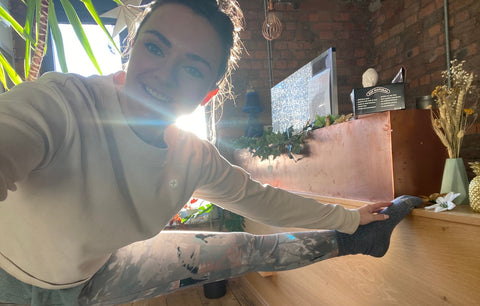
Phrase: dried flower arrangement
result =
(457, 107)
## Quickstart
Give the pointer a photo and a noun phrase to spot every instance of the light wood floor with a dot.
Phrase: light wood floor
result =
(239, 293)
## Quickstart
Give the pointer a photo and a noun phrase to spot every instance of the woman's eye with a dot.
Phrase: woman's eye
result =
(154, 49)
(194, 72)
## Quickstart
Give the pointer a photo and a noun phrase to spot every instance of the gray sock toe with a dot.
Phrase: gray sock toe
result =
(374, 238)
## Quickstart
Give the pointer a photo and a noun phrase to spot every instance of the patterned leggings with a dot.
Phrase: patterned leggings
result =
(172, 260)
(176, 259)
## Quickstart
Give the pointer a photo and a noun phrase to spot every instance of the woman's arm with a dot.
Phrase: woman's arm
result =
(32, 126)
(232, 188)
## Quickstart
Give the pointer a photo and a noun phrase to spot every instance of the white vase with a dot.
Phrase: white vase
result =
(455, 179)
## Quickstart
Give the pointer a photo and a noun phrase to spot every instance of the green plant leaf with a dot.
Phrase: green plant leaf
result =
(57, 37)
(118, 2)
(3, 78)
(89, 5)
(12, 74)
(77, 27)
(16, 26)
(201, 210)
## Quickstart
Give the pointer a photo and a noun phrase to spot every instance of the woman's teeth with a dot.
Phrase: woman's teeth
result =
(152, 92)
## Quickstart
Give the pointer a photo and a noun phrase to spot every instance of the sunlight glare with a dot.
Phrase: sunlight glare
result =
(194, 123)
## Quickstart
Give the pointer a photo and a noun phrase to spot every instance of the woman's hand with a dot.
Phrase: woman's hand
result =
(369, 212)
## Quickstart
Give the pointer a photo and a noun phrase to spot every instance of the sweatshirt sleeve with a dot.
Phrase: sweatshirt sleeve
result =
(32, 127)
(231, 187)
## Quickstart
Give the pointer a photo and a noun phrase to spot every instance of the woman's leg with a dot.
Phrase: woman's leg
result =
(172, 260)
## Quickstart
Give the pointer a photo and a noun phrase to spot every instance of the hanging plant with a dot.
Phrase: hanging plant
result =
(289, 142)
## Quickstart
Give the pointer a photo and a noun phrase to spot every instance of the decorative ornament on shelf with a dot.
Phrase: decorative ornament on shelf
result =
(369, 77)
(126, 15)
(444, 203)
(272, 26)
(456, 112)
(474, 187)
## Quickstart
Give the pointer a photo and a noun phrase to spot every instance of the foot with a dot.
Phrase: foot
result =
(374, 238)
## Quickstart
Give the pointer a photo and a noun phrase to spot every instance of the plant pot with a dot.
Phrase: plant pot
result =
(455, 179)
(215, 290)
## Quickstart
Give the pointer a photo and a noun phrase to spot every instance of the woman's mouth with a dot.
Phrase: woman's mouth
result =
(156, 95)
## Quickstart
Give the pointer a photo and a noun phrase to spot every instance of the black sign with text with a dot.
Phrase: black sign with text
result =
(380, 98)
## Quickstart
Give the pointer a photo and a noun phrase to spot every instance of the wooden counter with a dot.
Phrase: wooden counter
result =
(434, 259)
(374, 158)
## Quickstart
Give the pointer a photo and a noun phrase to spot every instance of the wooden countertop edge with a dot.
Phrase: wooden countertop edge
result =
(460, 214)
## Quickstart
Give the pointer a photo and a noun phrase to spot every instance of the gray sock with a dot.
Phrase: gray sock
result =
(374, 238)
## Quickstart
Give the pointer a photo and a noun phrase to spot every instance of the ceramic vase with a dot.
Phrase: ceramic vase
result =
(455, 179)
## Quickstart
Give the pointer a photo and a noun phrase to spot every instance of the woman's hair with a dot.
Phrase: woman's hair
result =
(226, 17)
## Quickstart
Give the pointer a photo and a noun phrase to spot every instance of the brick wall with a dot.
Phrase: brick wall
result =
(385, 35)
(411, 33)
(307, 31)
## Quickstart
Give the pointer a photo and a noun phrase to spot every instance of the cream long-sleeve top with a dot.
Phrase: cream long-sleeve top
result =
(86, 185)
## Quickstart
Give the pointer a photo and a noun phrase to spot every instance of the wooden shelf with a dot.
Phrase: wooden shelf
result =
(460, 214)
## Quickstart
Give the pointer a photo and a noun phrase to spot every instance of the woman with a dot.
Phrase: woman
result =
(94, 168)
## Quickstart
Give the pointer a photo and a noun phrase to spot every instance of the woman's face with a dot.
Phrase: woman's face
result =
(174, 63)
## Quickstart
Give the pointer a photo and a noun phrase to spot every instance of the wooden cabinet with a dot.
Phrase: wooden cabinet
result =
(434, 258)
(376, 157)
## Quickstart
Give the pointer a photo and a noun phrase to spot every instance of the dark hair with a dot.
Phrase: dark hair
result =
(226, 17)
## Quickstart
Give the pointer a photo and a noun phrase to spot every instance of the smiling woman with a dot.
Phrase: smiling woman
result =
(170, 70)
(90, 165)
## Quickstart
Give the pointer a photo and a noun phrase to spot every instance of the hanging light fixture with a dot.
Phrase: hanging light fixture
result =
(272, 27)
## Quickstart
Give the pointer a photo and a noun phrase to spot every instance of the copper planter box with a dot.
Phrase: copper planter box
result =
(374, 158)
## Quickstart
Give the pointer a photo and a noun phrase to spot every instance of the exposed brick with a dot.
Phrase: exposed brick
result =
(256, 65)
(313, 17)
(380, 20)
(378, 40)
(322, 26)
(281, 64)
(280, 45)
(426, 11)
(246, 35)
(424, 80)
(292, 64)
(439, 4)
(410, 20)
(434, 30)
(260, 54)
(289, 26)
(325, 35)
(362, 62)
(424, 3)
(360, 53)
(391, 52)
(461, 16)
(341, 16)
(413, 52)
(397, 29)
(460, 4)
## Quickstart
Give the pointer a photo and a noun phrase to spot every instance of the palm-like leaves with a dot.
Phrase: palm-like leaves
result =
(39, 18)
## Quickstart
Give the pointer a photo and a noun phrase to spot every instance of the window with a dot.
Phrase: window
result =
(108, 58)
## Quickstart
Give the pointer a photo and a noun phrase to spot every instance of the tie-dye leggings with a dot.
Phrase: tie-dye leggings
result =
(173, 259)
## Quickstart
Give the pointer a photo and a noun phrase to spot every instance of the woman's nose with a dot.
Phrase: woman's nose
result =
(166, 71)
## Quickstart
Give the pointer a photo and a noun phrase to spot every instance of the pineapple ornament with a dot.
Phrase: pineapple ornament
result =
(474, 187)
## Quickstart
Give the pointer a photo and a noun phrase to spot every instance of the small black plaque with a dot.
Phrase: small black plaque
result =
(379, 98)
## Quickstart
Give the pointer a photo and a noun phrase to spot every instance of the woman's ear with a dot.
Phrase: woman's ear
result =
(209, 96)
